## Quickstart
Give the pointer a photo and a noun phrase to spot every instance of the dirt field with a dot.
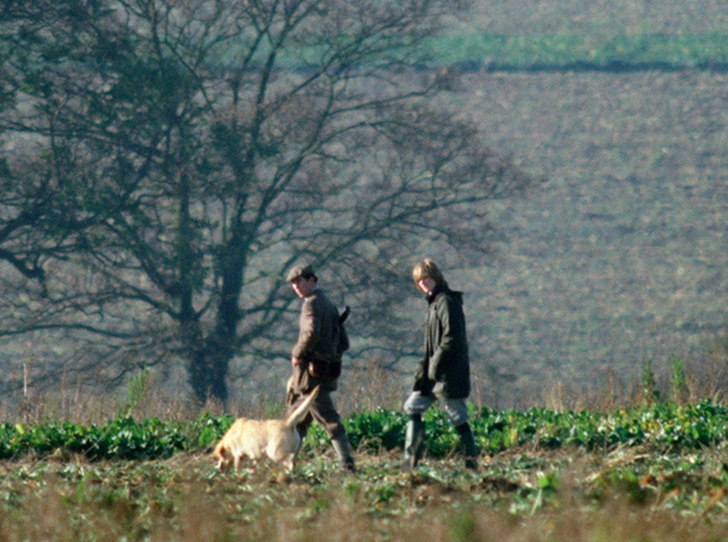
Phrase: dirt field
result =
(604, 17)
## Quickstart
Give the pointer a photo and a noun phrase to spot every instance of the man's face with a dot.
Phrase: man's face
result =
(303, 287)
(426, 284)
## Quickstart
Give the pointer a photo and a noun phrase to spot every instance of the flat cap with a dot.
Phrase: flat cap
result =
(305, 271)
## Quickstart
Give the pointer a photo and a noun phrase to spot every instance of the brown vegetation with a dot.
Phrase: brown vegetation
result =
(185, 499)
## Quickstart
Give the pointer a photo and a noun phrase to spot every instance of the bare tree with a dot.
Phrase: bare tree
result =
(207, 145)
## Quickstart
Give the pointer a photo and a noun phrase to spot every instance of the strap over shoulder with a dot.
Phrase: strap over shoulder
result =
(344, 315)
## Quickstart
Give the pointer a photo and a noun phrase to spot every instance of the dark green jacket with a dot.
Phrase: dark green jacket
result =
(445, 369)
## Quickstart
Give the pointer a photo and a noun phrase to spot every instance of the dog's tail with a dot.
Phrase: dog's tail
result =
(297, 416)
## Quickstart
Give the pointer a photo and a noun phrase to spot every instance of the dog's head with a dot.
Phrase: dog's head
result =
(224, 458)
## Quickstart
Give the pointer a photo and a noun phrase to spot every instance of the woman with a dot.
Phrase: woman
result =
(443, 374)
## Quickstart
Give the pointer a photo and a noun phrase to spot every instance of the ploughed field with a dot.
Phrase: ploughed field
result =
(619, 254)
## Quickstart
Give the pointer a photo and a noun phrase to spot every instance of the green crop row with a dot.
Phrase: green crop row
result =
(121, 438)
(577, 50)
(664, 427)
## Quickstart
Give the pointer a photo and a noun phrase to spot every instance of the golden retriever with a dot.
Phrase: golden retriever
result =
(278, 439)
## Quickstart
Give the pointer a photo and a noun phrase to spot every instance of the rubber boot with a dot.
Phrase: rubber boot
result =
(467, 446)
(343, 452)
(414, 437)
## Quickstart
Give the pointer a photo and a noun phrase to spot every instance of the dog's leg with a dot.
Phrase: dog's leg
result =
(291, 463)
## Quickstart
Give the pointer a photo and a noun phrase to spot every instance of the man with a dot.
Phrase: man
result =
(316, 361)
(443, 375)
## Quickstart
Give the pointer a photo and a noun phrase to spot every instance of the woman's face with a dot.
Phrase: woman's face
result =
(426, 284)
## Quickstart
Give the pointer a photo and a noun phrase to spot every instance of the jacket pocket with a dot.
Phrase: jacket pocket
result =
(324, 370)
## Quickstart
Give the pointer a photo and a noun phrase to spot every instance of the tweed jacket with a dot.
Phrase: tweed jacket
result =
(320, 337)
(445, 368)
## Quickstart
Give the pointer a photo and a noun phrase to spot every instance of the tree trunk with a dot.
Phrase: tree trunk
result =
(198, 366)
(220, 356)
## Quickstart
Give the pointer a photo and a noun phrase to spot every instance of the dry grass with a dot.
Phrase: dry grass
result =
(185, 499)
(369, 386)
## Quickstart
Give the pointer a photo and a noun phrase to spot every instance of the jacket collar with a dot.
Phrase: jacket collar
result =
(436, 291)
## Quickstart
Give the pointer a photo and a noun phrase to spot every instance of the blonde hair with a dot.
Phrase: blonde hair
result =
(427, 268)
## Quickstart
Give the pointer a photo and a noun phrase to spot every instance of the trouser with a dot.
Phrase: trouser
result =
(457, 412)
(324, 413)
(413, 440)
(467, 445)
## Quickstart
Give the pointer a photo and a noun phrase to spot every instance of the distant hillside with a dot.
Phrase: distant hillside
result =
(621, 254)
(598, 17)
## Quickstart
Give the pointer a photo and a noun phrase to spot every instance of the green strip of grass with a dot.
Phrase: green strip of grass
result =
(564, 50)
(529, 52)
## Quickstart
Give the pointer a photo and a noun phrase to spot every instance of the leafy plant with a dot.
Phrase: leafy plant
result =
(137, 388)
(660, 426)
